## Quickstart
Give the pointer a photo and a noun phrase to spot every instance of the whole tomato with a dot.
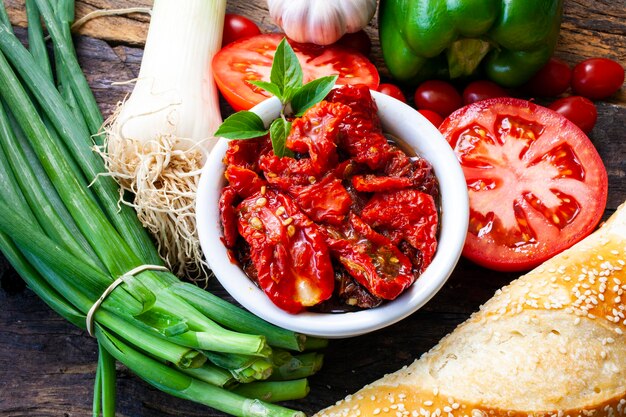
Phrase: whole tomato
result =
(550, 81)
(237, 27)
(438, 96)
(481, 90)
(432, 117)
(393, 91)
(597, 78)
(579, 110)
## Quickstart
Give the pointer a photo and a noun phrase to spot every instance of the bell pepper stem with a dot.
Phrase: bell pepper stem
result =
(464, 56)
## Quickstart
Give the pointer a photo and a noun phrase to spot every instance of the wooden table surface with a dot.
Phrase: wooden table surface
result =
(47, 366)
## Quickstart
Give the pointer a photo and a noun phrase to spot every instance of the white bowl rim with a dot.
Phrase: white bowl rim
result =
(401, 121)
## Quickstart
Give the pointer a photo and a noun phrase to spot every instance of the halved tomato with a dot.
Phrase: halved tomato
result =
(251, 59)
(536, 182)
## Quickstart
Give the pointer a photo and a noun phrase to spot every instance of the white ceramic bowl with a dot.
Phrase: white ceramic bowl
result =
(413, 129)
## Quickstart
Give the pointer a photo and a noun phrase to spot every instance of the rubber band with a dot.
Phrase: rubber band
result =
(114, 285)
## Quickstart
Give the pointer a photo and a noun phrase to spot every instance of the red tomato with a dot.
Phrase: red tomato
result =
(432, 117)
(481, 90)
(438, 96)
(237, 27)
(597, 78)
(551, 80)
(536, 183)
(393, 91)
(579, 110)
(357, 40)
(251, 59)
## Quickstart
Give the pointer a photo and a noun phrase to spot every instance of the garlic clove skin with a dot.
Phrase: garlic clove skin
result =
(321, 21)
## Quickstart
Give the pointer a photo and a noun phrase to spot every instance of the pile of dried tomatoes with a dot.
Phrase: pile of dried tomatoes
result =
(349, 221)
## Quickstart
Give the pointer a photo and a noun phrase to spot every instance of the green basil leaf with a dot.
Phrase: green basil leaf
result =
(279, 130)
(271, 88)
(286, 72)
(312, 93)
(242, 125)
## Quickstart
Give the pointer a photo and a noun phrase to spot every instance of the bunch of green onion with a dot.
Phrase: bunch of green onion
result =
(64, 232)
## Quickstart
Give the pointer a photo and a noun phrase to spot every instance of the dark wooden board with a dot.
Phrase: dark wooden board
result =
(47, 366)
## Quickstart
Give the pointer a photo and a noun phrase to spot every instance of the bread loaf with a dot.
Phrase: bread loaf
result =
(551, 343)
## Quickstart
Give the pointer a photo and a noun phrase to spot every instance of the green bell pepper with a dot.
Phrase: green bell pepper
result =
(509, 40)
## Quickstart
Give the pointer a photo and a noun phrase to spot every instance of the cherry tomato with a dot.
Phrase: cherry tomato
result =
(393, 91)
(536, 182)
(597, 78)
(251, 59)
(438, 96)
(481, 90)
(551, 80)
(237, 27)
(579, 110)
(358, 40)
(432, 117)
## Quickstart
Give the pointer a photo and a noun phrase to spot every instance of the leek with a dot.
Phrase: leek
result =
(159, 137)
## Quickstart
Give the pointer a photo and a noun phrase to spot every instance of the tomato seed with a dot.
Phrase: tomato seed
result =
(256, 223)
(280, 211)
(287, 221)
(291, 230)
(260, 202)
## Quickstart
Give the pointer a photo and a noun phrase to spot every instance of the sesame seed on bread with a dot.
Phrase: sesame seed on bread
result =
(550, 344)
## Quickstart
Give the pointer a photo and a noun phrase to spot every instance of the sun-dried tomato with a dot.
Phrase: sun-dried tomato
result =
(245, 153)
(410, 214)
(227, 201)
(373, 183)
(287, 250)
(360, 131)
(244, 181)
(316, 133)
(359, 99)
(285, 172)
(370, 258)
(313, 137)
(324, 201)
(345, 169)
(418, 169)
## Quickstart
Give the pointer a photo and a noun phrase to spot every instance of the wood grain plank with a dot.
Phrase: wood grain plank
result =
(130, 29)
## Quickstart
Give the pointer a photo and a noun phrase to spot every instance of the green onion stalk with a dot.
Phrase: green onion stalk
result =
(64, 232)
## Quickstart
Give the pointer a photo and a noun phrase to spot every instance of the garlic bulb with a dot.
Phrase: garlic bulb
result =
(321, 21)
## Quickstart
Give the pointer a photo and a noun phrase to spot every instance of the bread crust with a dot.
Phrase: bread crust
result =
(550, 344)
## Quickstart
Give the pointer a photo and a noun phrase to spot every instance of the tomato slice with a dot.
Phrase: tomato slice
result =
(536, 182)
(251, 59)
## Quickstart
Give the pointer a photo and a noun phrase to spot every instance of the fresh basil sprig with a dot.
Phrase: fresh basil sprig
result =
(286, 84)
